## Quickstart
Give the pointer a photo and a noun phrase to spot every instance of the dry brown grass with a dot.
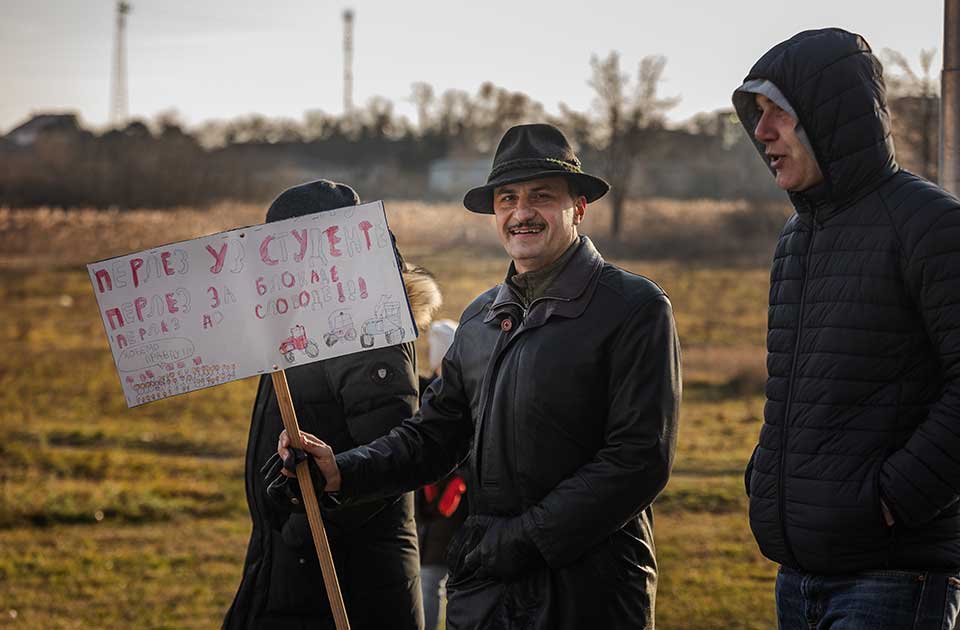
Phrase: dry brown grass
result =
(653, 229)
(114, 517)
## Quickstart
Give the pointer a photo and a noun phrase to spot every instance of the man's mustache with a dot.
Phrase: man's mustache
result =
(527, 225)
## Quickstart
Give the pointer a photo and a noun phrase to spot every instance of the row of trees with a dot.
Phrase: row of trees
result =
(624, 137)
(454, 121)
(916, 101)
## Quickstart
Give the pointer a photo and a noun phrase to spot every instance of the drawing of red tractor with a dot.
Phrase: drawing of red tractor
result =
(341, 327)
(298, 341)
(386, 322)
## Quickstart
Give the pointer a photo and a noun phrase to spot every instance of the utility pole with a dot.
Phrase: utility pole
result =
(118, 84)
(347, 61)
(950, 99)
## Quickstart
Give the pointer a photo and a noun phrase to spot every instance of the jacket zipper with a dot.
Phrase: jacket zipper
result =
(494, 368)
(786, 416)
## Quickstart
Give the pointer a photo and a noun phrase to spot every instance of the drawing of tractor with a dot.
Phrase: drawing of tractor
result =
(386, 322)
(341, 327)
(298, 341)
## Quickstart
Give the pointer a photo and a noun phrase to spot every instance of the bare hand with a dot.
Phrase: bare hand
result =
(888, 519)
(322, 455)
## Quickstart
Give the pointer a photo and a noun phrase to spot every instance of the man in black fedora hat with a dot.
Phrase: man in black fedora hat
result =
(560, 392)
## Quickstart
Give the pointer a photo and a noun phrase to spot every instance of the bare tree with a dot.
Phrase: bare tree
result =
(422, 96)
(496, 109)
(623, 111)
(914, 99)
(471, 124)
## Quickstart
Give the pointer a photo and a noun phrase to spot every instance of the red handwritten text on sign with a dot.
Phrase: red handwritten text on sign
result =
(248, 301)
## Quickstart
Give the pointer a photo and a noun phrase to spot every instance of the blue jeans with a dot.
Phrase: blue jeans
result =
(874, 600)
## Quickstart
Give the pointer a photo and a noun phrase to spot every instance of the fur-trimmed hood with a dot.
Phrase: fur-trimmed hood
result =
(423, 293)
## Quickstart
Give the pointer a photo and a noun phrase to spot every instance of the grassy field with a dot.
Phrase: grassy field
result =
(111, 516)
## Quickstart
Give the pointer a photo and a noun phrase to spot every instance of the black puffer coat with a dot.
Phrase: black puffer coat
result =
(571, 408)
(863, 396)
(345, 401)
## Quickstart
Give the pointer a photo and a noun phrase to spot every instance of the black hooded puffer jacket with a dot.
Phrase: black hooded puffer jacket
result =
(863, 396)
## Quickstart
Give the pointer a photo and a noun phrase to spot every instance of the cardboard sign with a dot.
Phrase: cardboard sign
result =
(253, 300)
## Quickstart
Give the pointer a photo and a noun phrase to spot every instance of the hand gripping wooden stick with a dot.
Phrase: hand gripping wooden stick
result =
(310, 502)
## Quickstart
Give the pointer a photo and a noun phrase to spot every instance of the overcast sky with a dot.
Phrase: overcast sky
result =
(223, 58)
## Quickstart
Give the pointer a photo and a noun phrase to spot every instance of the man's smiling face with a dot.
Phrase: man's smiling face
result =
(537, 220)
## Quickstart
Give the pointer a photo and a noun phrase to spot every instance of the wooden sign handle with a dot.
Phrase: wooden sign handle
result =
(310, 502)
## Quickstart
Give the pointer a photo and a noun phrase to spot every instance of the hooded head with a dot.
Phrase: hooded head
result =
(830, 82)
(316, 196)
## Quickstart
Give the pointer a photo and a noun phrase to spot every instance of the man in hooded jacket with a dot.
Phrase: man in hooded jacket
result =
(561, 392)
(854, 484)
(349, 400)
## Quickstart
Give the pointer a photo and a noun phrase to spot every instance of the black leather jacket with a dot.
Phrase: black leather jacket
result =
(568, 414)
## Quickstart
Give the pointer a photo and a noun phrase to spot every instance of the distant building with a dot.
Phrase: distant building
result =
(453, 176)
(26, 134)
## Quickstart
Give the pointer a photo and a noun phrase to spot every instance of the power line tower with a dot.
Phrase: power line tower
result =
(118, 83)
(347, 61)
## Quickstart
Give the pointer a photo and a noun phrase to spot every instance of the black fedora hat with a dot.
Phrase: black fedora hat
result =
(530, 152)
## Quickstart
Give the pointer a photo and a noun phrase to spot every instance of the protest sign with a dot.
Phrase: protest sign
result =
(249, 301)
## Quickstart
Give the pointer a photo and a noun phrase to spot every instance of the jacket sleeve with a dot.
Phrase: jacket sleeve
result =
(633, 465)
(377, 390)
(421, 450)
(922, 478)
(748, 471)
(261, 444)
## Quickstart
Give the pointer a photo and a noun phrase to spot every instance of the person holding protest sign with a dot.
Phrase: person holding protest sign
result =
(561, 392)
(347, 400)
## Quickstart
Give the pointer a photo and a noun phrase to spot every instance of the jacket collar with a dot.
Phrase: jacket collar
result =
(818, 205)
(567, 296)
(815, 202)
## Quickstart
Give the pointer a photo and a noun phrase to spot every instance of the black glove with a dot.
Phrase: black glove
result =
(464, 540)
(504, 552)
(284, 492)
